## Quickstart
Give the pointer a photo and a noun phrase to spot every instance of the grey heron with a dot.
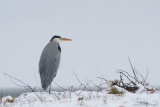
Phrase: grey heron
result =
(49, 61)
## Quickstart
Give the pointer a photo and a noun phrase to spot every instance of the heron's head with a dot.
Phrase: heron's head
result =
(59, 39)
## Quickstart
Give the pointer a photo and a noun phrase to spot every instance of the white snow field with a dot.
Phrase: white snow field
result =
(83, 99)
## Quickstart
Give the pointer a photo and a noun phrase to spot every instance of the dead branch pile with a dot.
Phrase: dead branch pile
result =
(134, 81)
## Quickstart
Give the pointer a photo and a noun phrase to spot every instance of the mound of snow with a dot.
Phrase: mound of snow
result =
(83, 98)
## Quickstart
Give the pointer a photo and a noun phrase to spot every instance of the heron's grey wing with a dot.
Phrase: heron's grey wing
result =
(49, 63)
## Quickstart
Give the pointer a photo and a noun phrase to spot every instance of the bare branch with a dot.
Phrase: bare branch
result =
(60, 86)
(132, 67)
(28, 87)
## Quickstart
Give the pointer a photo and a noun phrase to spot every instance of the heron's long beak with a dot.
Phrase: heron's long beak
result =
(65, 39)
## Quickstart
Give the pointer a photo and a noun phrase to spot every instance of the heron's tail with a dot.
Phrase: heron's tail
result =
(45, 83)
(44, 87)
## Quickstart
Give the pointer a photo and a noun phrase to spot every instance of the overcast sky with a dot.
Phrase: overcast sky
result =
(104, 33)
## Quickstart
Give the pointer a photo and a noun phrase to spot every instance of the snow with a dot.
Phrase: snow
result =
(84, 99)
(104, 34)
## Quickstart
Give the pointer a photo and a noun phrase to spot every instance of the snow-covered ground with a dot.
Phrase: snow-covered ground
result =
(83, 99)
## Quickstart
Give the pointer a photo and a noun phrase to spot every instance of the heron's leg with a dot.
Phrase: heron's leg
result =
(50, 89)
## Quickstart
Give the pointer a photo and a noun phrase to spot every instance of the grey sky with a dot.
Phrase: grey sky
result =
(104, 33)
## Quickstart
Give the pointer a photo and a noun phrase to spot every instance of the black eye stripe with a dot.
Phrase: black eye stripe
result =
(55, 36)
